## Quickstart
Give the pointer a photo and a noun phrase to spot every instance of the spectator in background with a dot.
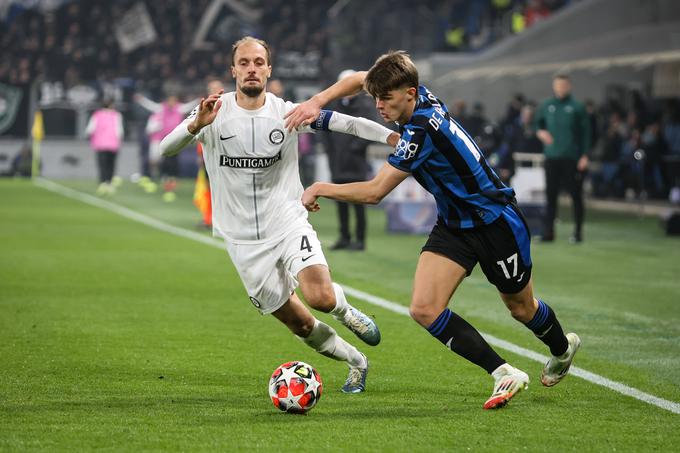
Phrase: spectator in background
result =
(512, 112)
(476, 122)
(105, 130)
(524, 139)
(348, 163)
(564, 128)
(671, 134)
(654, 147)
(519, 136)
(671, 131)
(591, 110)
(459, 112)
(164, 118)
(607, 181)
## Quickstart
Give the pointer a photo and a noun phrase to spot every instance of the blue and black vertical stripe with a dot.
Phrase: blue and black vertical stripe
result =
(450, 166)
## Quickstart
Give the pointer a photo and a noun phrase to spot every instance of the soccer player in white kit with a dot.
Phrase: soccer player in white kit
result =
(251, 161)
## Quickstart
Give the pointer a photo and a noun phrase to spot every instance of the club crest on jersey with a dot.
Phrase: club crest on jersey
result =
(276, 136)
(249, 162)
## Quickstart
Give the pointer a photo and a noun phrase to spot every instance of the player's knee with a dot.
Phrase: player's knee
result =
(321, 298)
(521, 312)
(421, 314)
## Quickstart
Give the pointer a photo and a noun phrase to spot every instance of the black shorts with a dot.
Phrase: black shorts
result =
(502, 249)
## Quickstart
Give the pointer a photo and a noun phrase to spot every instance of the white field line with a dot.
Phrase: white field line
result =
(366, 297)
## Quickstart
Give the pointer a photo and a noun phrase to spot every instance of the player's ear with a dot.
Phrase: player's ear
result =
(233, 72)
(411, 91)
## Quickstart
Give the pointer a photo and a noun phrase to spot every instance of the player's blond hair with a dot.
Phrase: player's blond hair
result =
(246, 39)
(391, 71)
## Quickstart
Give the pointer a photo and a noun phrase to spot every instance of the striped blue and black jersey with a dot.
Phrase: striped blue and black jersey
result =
(445, 160)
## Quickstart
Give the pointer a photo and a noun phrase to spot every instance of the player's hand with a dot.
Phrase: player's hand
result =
(207, 112)
(309, 198)
(303, 114)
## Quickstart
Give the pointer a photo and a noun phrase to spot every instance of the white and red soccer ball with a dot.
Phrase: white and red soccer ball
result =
(295, 387)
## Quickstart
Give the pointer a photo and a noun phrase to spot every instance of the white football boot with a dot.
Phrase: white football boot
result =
(557, 367)
(508, 382)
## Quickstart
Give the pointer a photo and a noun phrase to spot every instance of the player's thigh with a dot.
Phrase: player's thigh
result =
(504, 252)
(316, 286)
(437, 278)
(446, 259)
(305, 261)
(296, 316)
(268, 283)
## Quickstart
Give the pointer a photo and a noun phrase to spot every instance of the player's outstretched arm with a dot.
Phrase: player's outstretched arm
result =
(305, 113)
(329, 120)
(365, 192)
(185, 133)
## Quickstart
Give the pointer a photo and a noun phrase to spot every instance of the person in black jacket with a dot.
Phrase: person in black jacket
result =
(348, 163)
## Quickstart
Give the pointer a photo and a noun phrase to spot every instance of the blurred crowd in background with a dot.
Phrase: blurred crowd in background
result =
(631, 145)
(101, 45)
(77, 41)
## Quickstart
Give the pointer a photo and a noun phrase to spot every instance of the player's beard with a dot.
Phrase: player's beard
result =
(252, 91)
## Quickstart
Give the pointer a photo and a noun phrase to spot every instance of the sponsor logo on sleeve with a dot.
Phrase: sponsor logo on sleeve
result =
(405, 150)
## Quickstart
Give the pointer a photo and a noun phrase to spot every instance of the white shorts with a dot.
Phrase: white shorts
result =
(269, 271)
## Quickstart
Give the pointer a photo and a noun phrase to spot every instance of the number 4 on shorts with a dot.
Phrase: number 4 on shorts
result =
(305, 245)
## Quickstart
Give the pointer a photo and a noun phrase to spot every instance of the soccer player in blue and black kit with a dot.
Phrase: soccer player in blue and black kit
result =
(478, 221)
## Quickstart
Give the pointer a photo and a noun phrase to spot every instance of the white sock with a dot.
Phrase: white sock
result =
(341, 305)
(325, 340)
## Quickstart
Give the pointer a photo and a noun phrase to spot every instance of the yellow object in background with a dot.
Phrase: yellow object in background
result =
(37, 133)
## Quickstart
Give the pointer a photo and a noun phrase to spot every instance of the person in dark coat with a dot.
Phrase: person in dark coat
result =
(348, 163)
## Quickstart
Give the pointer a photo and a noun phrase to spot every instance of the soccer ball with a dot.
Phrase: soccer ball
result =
(295, 387)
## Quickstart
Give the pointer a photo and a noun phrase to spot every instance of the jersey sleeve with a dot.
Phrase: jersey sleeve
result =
(330, 120)
(411, 149)
(177, 140)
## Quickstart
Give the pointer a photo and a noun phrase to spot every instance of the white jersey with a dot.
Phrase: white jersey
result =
(252, 163)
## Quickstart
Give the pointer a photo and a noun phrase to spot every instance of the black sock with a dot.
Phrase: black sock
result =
(548, 329)
(463, 339)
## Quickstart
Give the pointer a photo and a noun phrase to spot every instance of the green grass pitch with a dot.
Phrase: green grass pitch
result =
(117, 336)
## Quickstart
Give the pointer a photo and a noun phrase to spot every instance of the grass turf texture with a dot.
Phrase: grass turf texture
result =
(117, 336)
